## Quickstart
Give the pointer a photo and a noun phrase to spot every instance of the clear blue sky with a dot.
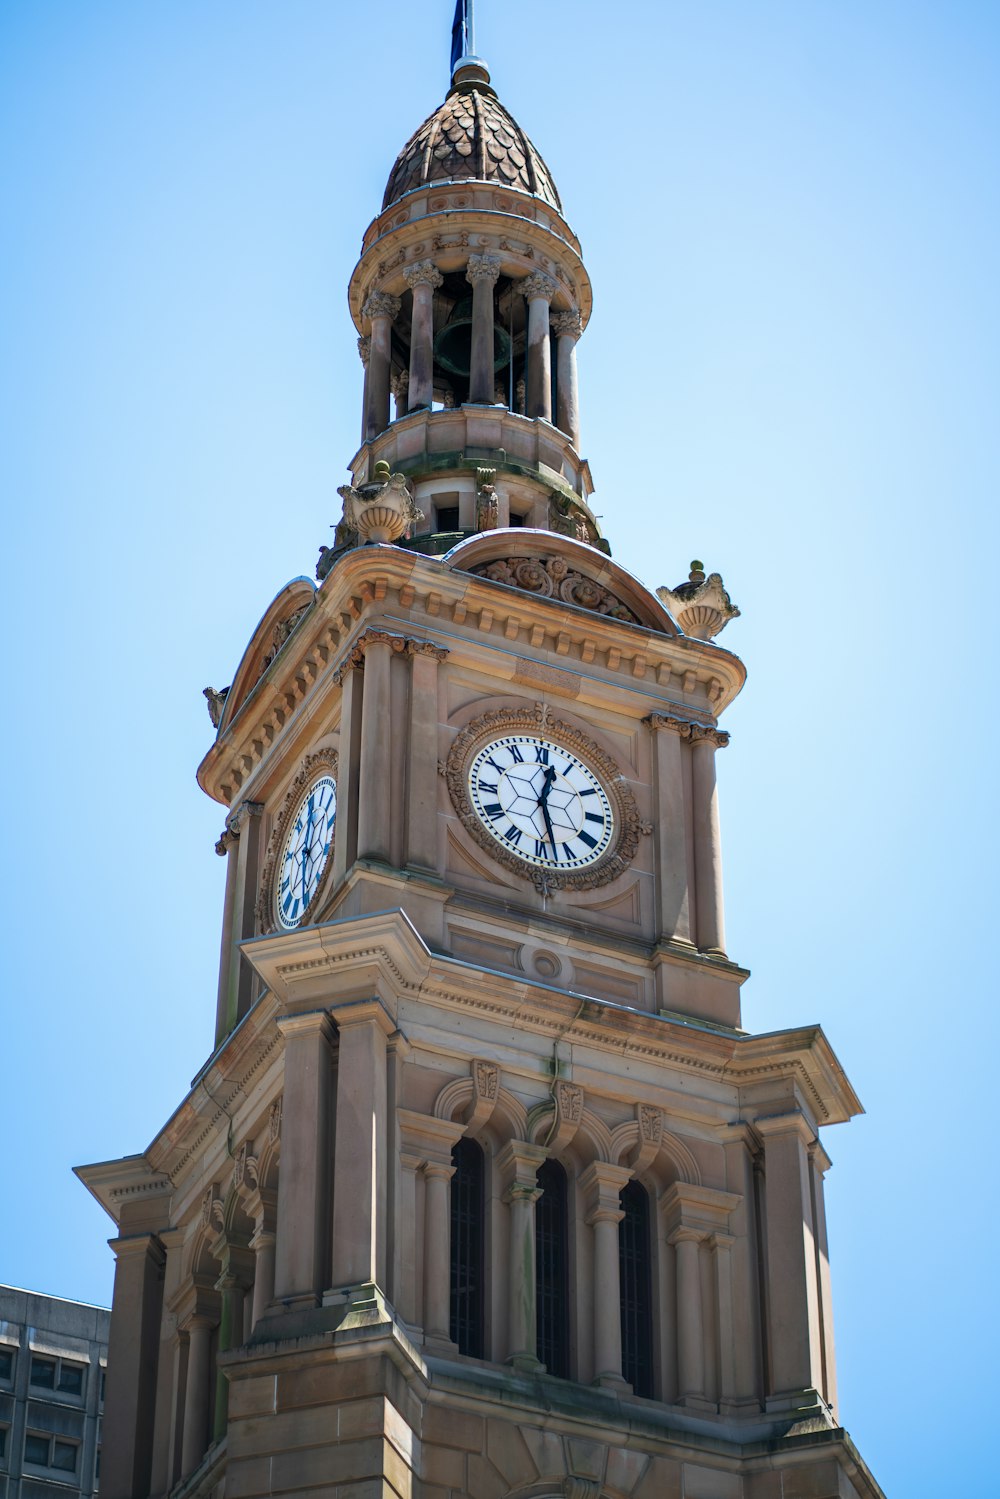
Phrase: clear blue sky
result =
(790, 217)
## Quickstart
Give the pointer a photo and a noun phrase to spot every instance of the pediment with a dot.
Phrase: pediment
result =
(547, 565)
(275, 628)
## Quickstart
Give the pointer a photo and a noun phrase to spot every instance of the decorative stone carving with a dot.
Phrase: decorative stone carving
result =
(312, 766)
(486, 1080)
(216, 703)
(365, 349)
(628, 823)
(274, 1119)
(569, 1102)
(381, 304)
(554, 578)
(703, 733)
(212, 1209)
(399, 385)
(245, 1173)
(381, 510)
(281, 632)
(520, 392)
(482, 268)
(701, 606)
(567, 520)
(423, 272)
(538, 285)
(563, 323)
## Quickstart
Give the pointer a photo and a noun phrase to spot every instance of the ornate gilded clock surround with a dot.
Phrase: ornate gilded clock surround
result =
(533, 720)
(320, 762)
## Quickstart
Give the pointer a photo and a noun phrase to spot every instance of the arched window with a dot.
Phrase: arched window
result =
(551, 1270)
(635, 1283)
(467, 1211)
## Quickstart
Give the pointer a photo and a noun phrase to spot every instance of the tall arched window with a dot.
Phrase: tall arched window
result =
(551, 1270)
(635, 1282)
(467, 1273)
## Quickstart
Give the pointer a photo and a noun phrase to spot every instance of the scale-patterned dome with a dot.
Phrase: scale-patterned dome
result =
(471, 136)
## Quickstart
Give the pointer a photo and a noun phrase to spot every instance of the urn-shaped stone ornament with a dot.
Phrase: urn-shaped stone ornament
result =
(382, 509)
(701, 606)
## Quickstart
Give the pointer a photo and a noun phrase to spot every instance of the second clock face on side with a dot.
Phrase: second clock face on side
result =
(304, 853)
(541, 802)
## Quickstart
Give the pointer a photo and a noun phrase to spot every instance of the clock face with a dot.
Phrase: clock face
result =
(304, 853)
(541, 802)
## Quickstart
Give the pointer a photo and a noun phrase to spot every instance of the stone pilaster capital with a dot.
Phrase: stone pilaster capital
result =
(138, 1246)
(538, 285)
(686, 1235)
(817, 1154)
(482, 268)
(427, 1138)
(519, 1162)
(602, 1185)
(702, 733)
(400, 383)
(381, 304)
(423, 273)
(439, 1170)
(789, 1122)
(426, 648)
(226, 840)
(306, 1023)
(363, 1012)
(567, 324)
(365, 349)
(702, 1210)
(263, 1238)
(669, 723)
(721, 1242)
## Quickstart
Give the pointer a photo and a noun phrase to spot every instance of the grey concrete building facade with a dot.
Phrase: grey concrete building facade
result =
(53, 1355)
(486, 1190)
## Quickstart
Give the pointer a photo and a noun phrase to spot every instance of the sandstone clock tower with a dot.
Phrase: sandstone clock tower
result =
(485, 1189)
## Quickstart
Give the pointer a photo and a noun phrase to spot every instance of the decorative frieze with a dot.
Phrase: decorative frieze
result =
(554, 578)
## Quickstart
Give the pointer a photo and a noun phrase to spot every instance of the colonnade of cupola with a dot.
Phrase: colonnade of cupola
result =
(469, 299)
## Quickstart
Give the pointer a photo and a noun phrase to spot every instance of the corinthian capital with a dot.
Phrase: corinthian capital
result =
(482, 268)
(538, 285)
(381, 304)
(570, 323)
(365, 349)
(423, 273)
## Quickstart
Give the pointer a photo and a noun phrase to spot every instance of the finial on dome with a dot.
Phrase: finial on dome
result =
(466, 67)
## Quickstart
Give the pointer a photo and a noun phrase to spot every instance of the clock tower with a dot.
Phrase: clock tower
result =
(485, 1188)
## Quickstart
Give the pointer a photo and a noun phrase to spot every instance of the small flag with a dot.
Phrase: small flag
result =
(461, 43)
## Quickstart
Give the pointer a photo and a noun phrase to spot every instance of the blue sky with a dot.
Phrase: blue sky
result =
(790, 217)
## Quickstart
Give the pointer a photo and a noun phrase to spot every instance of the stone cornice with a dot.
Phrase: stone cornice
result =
(464, 614)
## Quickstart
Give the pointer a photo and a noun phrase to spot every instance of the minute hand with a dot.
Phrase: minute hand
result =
(543, 799)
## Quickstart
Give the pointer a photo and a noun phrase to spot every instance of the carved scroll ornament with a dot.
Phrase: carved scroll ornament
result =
(555, 579)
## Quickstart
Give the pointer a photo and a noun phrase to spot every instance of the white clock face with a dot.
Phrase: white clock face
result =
(541, 802)
(306, 849)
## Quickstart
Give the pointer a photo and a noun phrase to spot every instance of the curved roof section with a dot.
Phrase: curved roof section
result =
(471, 137)
(570, 572)
(273, 629)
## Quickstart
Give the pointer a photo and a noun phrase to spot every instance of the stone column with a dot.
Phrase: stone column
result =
(482, 273)
(437, 1250)
(521, 1161)
(350, 678)
(382, 310)
(820, 1163)
(690, 1321)
(794, 1343)
(374, 802)
(133, 1345)
(721, 1247)
(195, 1438)
(400, 384)
(364, 351)
(302, 1251)
(243, 826)
(567, 326)
(602, 1184)
(226, 848)
(707, 840)
(263, 1245)
(539, 290)
(360, 1186)
(232, 1285)
(423, 279)
(422, 798)
(671, 826)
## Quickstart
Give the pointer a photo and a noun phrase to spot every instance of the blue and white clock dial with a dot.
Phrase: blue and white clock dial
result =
(541, 802)
(307, 847)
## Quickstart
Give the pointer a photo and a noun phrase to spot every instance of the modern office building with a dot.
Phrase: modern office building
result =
(53, 1355)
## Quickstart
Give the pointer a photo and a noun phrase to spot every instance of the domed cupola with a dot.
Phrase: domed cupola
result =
(469, 299)
(470, 137)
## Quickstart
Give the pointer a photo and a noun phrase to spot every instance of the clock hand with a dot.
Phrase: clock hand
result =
(543, 799)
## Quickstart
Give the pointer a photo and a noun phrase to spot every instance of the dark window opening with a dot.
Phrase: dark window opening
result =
(71, 1379)
(6, 1363)
(467, 1276)
(43, 1373)
(551, 1270)
(447, 518)
(36, 1450)
(515, 519)
(636, 1290)
(64, 1456)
